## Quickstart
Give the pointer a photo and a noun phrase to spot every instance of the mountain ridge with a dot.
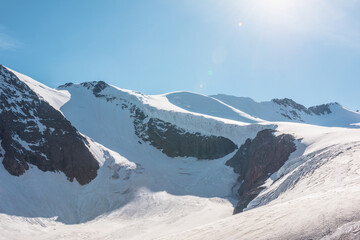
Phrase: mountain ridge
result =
(154, 182)
(246, 110)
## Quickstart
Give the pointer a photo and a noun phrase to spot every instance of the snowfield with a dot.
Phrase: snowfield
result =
(141, 193)
(317, 198)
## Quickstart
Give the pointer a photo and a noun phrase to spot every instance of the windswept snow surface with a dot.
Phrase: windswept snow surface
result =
(125, 201)
(314, 197)
(209, 106)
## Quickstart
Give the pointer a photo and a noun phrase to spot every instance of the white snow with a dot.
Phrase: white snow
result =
(84, 106)
(209, 106)
(56, 98)
(140, 193)
(23, 143)
(312, 199)
(324, 203)
(270, 111)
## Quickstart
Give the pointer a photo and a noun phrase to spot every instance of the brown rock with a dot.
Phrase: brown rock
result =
(256, 160)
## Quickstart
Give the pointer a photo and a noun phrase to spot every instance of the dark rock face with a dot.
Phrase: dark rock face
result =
(33, 132)
(176, 142)
(321, 109)
(287, 102)
(293, 114)
(256, 160)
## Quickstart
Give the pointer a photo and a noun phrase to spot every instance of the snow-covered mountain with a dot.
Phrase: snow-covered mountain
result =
(328, 115)
(94, 161)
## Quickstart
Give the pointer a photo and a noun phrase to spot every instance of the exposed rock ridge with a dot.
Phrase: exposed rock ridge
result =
(33, 132)
(322, 109)
(256, 160)
(287, 102)
(314, 110)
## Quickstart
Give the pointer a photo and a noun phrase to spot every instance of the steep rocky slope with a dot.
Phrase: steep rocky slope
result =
(32, 132)
(256, 160)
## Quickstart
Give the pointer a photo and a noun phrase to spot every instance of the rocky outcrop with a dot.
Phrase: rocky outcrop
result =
(177, 142)
(298, 108)
(32, 132)
(256, 160)
(287, 102)
(321, 109)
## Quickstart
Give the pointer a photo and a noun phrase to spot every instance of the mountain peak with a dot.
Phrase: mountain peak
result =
(287, 102)
(34, 133)
(321, 109)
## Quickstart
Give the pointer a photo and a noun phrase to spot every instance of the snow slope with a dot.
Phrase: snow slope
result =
(140, 193)
(316, 195)
(209, 106)
(112, 126)
(135, 185)
(109, 124)
(56, 98)
(49, 194)
(272, 111)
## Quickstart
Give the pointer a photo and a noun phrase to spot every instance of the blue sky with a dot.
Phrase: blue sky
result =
(308, 50)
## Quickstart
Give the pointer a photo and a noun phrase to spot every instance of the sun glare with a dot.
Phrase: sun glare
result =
(279, 14)
(276, 12)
